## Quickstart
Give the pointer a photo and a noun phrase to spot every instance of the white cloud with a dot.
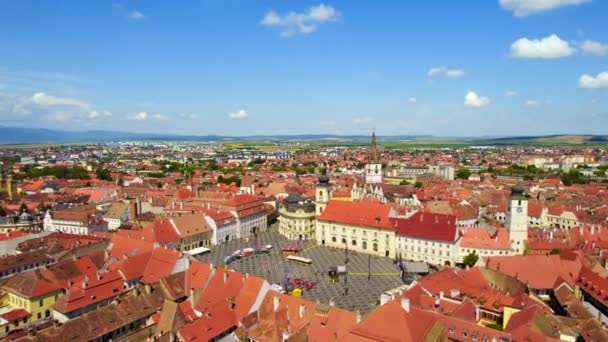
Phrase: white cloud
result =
(474, 100)
(240, 114)
(42, 99)
(412, 100)
(305, 22)
(444, 71)
(598, 81)
(532, 103)
(159, 117)
(136, 15)
(361, 121)
(523, 8)
(511, 93)
(139, 116)
(593, 47)
(549, 47)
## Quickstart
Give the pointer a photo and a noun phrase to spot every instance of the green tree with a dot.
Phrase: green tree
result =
(418, 185)
(463, 173)
(573, 177)
(2, 212)
(555, 251)
(470, 259)
(404, 182)
(103, 174)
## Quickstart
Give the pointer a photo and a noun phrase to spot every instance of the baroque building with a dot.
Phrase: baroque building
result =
(297, 218)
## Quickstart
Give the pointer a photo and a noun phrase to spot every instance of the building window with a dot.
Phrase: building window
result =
(47, 313)
(364, 244)
(333, 239)
(354, 242)
(344, 241)
(375, 247)
(41, 303)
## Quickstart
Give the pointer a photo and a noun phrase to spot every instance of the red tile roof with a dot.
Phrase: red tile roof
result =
(15, 315)
(365, 214)
(539, 271)
(428, 226)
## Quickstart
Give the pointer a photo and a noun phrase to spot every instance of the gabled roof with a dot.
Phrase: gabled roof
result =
(333, 326)
(30, 285)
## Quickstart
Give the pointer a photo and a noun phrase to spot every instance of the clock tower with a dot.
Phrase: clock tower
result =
(517, 219)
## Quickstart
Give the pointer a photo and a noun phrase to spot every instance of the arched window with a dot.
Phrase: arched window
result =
(375, 247)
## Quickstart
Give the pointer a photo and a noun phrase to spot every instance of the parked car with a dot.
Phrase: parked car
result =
(278, 288)
(237, 254)
(265, 249)
(289, 249)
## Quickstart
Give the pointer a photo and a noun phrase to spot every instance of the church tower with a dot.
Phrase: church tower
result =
(373, 169)
(517, 219)
(322, 193)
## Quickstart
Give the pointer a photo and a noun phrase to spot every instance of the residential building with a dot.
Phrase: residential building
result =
(31, 292)
(75, 221)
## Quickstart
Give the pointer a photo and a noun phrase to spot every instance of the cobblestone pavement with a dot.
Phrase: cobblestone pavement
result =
(363, 294)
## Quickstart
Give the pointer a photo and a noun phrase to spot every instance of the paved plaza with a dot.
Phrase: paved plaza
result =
(363, 293)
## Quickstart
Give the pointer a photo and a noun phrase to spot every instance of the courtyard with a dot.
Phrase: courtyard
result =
(359, 290)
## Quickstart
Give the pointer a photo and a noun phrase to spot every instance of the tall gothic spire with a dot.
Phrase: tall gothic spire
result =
(373, 152)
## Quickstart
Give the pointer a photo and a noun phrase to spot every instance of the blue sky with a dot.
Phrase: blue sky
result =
(447, 68)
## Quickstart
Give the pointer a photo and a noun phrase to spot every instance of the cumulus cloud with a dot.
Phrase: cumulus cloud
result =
(239, 114)
(160, 117)
(136, 15)
(592, 47)
(598, 81)
(412, 100)
(524, 8)
(361, 121)
(293, 23)
(549, 47)
(139, 116)
(474, 100)
(511, 93)
(444, 71)
(532, 103)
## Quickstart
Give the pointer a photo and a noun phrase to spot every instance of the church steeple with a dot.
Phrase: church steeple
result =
(373, 152)
(373, 168)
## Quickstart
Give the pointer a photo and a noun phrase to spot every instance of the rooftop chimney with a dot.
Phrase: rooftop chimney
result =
(477, 313)
(302, 310)
(275, 302)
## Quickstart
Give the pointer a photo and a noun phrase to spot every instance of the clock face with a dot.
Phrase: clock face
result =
(519, 209)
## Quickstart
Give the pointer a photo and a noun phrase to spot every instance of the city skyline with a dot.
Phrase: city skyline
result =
(508, 67)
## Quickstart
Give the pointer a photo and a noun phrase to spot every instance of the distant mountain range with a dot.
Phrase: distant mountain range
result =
(23, 135)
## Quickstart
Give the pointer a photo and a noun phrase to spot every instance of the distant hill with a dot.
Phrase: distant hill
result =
(563, 139)
(23, 135)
